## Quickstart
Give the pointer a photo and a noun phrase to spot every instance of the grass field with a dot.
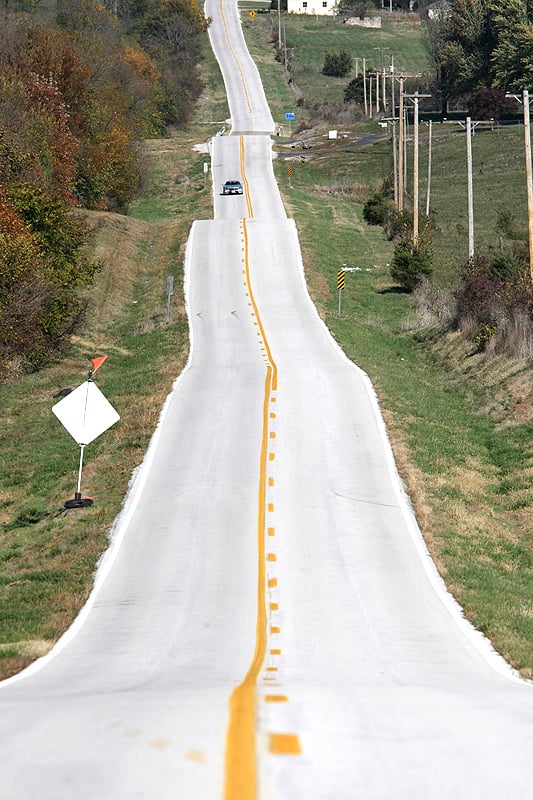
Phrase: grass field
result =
(47, 561)
(460, 422)
(498, 184)
(310, 39)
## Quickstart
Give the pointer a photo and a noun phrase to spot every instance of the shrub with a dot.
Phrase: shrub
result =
(354, 91)
(411, 263)
(377, 208)
(478, 300)
(338, 65)
(398, 225)
(488, 103)
(434, 304)
(509, 262)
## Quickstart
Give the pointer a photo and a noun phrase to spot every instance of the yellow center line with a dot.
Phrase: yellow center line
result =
(246, 191)
(241, 771)
(232, 51)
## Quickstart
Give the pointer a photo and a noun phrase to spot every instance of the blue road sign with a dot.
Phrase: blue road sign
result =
(290, 115)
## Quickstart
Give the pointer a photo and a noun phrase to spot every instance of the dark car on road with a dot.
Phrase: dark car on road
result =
(232, 187)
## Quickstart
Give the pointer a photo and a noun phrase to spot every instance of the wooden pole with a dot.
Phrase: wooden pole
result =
(400, 149)
(428, 189)
(395, 163)
(470, 189)
(529, 179)
(364, 87)
(415, 176)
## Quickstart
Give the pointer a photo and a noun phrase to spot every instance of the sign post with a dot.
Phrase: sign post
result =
(85, 413)
(170, 291)
(341, 282)
(290, 115)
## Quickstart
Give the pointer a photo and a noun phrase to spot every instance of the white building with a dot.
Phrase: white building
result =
(311, 6)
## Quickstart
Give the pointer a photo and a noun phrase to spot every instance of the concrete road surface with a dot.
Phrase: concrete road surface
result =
(267, 624)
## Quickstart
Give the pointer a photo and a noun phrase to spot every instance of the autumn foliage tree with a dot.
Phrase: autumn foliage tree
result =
(75, 98)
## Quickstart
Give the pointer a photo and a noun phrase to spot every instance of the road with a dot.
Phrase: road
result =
(267, 624)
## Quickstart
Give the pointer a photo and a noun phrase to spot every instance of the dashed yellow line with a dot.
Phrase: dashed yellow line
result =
(241, 770)
(284, 744)
(241, 774)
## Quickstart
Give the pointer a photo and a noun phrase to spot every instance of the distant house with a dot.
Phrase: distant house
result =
(311, 6)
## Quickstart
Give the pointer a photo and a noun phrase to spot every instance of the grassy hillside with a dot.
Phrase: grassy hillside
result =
(47, 561)
(460, 421)
(498, 185)
(310, 38)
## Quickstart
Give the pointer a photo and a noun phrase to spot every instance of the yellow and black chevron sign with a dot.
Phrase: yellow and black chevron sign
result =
(341, 280)
(289, 170)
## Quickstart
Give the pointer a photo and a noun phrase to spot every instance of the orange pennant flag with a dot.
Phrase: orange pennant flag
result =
(97, 362)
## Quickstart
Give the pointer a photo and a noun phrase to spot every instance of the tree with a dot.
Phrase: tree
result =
(461, 42)
(513, 53)
(354, 91)
(34, 134)
(377, 208)
(411, 263)
(337, 65)
(60, 238)
(52, 55)
(356, 8)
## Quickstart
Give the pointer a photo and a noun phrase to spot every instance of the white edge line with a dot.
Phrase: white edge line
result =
(120, 525)
(483, 645)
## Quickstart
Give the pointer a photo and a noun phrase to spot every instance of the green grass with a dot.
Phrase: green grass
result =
(466, 462)
(498, 180)
(310, 39)
(47, 561)
(465, 458)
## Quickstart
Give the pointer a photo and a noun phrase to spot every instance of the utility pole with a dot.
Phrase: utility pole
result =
(364, 87)
(393, 121)
(381, 48)
(394, 150)
(285, 50)
(402, 172)
(401, 149)
(391, 70)
(415, 98)
(529, 179)
(470, 190)
(428, 190)
(357, 60)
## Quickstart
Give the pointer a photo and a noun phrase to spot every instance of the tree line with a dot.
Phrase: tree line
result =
(479, 50)
(78, 89)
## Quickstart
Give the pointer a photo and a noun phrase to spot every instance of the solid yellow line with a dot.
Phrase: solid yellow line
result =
(241, 771)
(258, 316)
(246, 187)
(232, 51)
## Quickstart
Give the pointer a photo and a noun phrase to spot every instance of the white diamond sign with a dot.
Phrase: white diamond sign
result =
(85, 413)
